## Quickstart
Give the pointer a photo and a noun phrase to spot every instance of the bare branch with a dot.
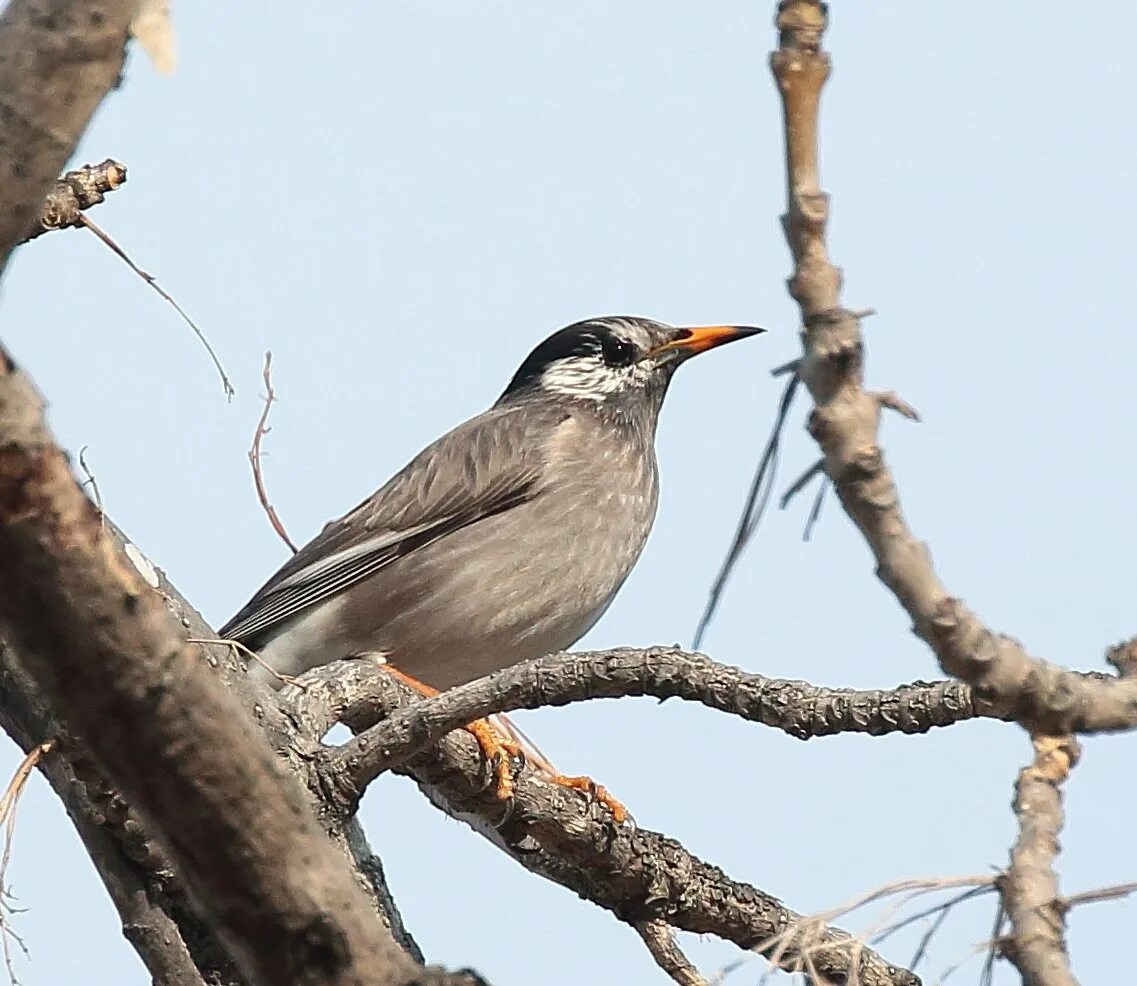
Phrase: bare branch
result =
(561, 835)
(796, 707)
(101, 644)
(58, 59)
(1037, 944)
(1116, 892)
(76, 191)
(134, 871)
(846, 419)
(661, 943)
(255, 457)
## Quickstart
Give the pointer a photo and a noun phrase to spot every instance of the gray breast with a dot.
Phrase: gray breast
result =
(531, 580)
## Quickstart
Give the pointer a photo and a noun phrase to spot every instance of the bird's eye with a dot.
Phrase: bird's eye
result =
(618, 352)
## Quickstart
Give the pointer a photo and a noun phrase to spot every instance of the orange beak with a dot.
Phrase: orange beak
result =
(698, 339)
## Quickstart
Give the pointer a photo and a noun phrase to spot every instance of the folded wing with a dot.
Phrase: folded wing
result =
(483, 467)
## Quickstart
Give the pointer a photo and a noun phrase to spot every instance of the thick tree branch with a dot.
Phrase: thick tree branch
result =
(58, 59)
(120, 846)
(101, 644)
(136, 874)
(846, 419)
(636, 874)
(796, 707)
(1037, 944)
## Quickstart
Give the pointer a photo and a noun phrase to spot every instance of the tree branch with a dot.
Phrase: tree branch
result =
(74, 193)
(101, 644)
(58, 59)
(796, 707)
(559, 834)
(136, 874)
(1037, 913)
(845, 422)
(661, 943)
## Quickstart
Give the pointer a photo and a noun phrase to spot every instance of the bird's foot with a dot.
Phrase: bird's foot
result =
(596, 792)
(499, 750)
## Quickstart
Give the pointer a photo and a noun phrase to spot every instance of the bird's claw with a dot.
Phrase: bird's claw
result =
(595, 793)
(498, 751)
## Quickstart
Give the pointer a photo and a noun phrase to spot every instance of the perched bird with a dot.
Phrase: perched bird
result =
(504, 540)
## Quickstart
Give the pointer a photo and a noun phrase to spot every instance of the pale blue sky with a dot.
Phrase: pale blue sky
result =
(401, 198)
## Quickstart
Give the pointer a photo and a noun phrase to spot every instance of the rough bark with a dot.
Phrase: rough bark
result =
(638, 875)
(1037, 944)
(58, 59)
(796, 707)
(117, 671)
(1047, 700)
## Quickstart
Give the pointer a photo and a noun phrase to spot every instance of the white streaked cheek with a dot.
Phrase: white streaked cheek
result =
(587, 378)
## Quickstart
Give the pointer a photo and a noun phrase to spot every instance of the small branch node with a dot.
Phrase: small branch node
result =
(1123, 657)
(894, 402)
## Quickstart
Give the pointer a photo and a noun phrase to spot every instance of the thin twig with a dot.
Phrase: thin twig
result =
(150, 279)
(799, 484)
(944, 910)
(255, 457)
(755, 506)
(93, 483)
(661, 943)
(815, 511)
(806, 933)
(952, 969)
(991, 946)
(240, 648)
(892, 929)
(1096, 896)
(8, 804)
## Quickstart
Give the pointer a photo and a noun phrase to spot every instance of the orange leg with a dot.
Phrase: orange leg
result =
(497, 748)
(597, 792)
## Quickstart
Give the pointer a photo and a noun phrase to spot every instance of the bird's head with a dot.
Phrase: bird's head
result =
(619, 363)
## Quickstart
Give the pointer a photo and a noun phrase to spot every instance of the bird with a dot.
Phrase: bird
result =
(504, 540)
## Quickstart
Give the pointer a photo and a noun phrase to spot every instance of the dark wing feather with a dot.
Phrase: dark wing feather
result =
(487, 465)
